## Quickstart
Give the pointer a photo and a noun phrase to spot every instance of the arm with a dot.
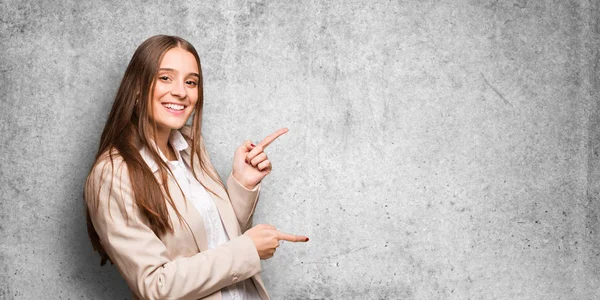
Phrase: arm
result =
(250, 166)
(243, 201)
(142, 258)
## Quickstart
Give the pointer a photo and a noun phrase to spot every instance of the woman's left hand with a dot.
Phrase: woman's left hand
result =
(250, 162)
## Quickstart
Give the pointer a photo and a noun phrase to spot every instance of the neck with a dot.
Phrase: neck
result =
(162, 142)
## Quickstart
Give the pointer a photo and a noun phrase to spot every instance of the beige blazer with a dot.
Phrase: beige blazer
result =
(175, 265)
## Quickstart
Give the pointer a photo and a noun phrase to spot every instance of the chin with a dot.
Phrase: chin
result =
(175, 123)
(177, 126)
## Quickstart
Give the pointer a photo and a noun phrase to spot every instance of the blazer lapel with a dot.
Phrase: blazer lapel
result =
(221, 199)
(189, 213)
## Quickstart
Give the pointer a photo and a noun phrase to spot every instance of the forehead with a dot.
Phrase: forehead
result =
(180, 60)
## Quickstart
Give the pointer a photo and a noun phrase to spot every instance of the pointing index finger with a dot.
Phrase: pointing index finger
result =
(291, 238)
(271, 137)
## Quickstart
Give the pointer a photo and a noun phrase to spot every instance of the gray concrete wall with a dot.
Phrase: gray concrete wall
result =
(437, 149)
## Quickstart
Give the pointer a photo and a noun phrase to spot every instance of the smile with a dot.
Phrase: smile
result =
(174, 106)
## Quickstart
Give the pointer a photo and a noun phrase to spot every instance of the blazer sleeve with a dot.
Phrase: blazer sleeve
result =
(243, 201)
(140, 255)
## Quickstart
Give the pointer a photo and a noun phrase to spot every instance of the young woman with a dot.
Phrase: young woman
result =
(156, 206)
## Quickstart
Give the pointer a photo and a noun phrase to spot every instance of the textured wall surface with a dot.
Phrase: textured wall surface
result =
(437, 149)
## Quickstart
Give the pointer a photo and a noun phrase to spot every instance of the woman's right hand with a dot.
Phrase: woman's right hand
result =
(266, 239)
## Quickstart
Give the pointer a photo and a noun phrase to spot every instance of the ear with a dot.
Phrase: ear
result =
(137, 88)
(137, 96)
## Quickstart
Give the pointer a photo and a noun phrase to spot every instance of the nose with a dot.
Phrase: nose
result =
(178, 89)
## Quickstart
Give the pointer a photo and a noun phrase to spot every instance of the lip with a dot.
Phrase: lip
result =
(173, 111)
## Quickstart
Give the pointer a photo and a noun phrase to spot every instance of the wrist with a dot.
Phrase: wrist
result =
(242, 182)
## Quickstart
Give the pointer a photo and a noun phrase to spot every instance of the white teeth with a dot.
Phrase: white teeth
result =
(174, 106)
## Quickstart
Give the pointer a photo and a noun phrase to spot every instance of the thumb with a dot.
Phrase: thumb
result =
(246, 147)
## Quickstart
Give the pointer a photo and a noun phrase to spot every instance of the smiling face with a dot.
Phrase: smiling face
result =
(175, 90)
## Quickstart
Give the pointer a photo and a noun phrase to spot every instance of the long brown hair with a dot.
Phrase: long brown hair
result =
(129, 127)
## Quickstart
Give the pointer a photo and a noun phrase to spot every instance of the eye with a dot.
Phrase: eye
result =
(191, 82)
(163, 77)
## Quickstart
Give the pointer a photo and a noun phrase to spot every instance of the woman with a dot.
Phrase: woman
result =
(156, 206)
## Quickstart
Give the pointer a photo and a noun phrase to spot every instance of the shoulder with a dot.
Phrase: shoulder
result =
(108, 168)
(108, 182)
(108, 161)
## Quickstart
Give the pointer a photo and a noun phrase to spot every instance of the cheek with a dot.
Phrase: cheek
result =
(193, 97)
(159, 91)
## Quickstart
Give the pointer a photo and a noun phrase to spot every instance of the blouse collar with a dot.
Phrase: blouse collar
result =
(176, 140)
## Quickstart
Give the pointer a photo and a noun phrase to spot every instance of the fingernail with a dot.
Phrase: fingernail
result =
(246, 160)
(252, 145)
(306, 240)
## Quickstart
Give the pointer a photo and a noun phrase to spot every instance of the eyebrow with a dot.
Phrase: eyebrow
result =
(175, 71)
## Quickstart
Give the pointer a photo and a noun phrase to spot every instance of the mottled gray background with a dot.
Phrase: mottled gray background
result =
(437, 149)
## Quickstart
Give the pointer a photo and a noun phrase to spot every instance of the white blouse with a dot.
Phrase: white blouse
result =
(204, 203)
